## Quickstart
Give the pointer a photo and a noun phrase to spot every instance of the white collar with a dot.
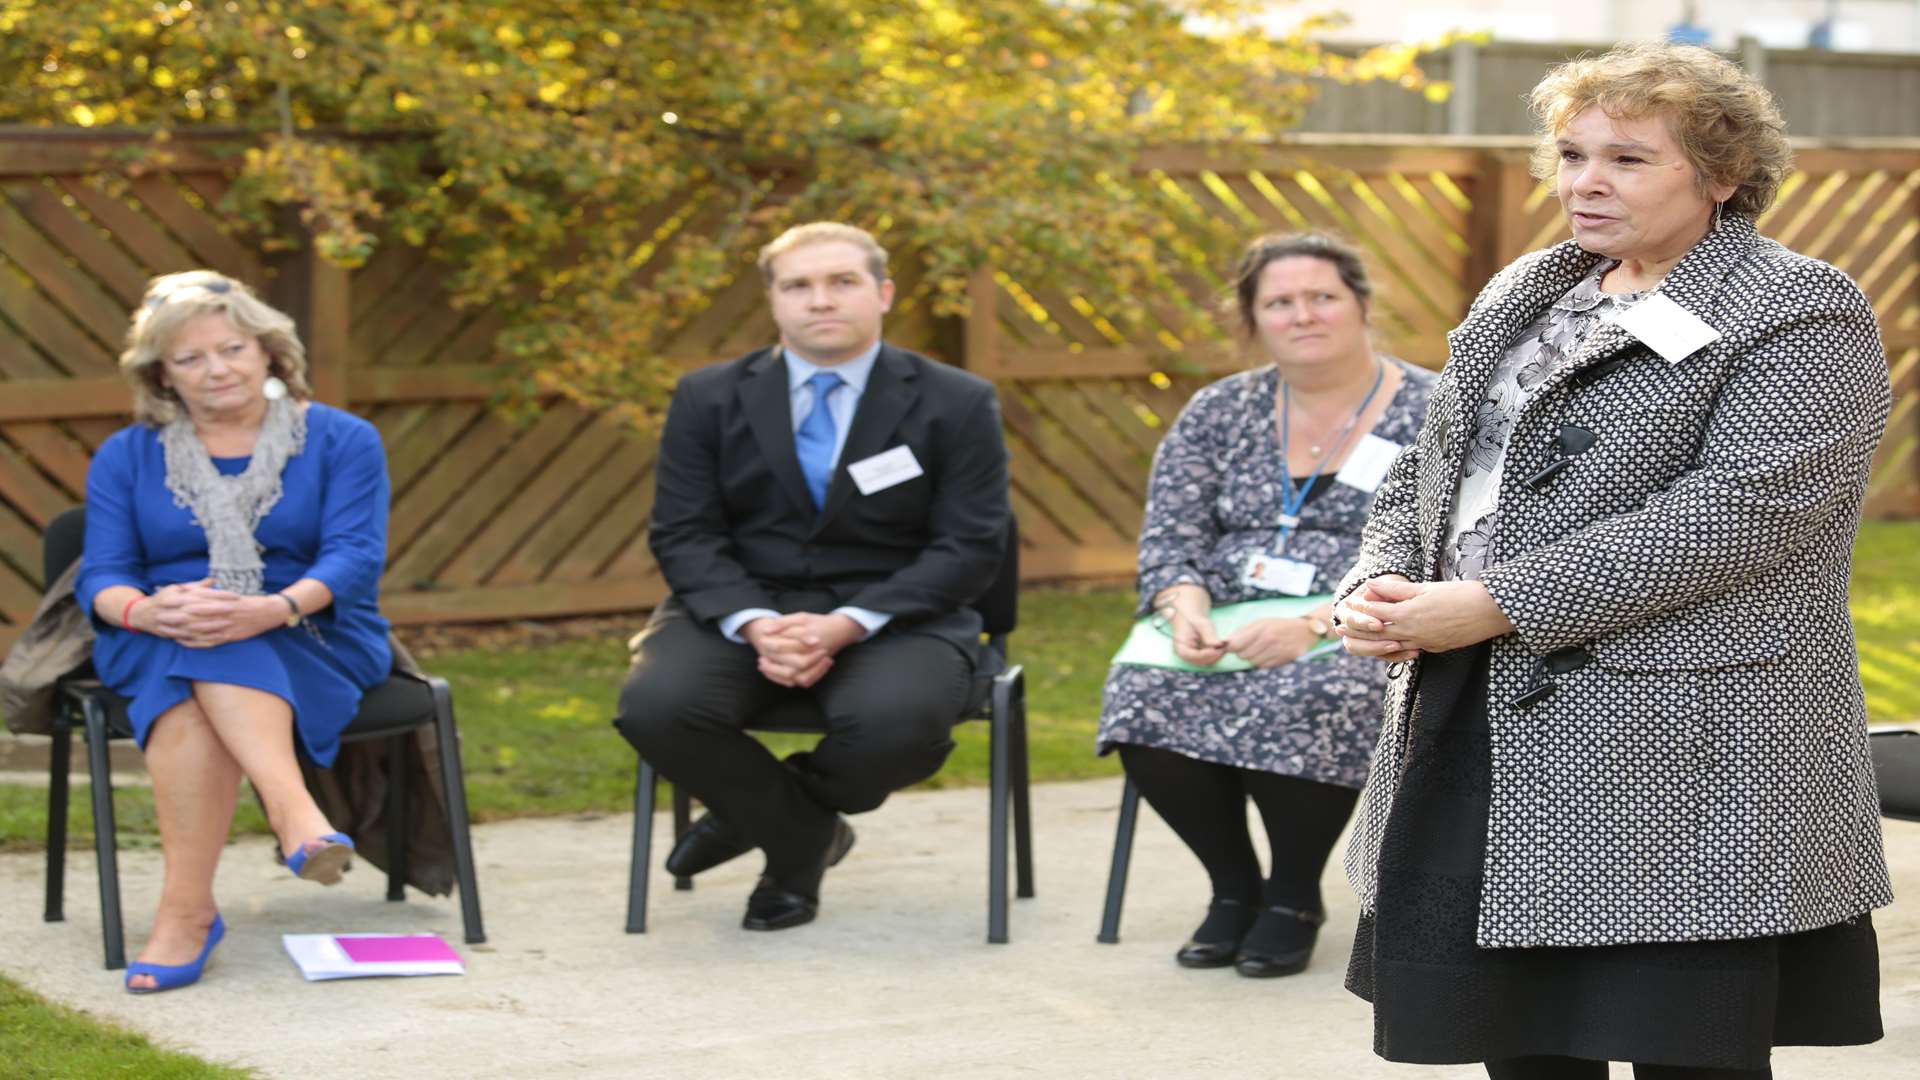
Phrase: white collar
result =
(854, 372)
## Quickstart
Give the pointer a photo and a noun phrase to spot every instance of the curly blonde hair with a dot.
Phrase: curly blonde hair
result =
(173, 300)
(1726, 123)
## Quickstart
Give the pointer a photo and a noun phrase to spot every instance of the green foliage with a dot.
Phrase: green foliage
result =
(43, 1041)
(529, 144)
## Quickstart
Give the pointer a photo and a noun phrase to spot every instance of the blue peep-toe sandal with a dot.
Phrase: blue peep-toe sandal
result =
(324, 860)
(175, 976)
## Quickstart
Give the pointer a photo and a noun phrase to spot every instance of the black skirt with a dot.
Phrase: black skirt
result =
(1440, 999)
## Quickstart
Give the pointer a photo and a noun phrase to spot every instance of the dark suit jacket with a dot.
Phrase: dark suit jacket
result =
(733, 526)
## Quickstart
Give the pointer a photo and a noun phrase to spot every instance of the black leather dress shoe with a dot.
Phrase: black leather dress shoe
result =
(776, 905)
(706, 845)
(1280, 943)
(774, 908)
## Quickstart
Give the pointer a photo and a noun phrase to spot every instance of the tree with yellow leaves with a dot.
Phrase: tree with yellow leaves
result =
(523, 142)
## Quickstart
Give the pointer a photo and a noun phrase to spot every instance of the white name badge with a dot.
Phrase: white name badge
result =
(1369, 462)
(1666, 328)
(885, 469)
(1274, 573)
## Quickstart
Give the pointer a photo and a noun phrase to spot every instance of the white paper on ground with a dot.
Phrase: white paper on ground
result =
(319, 956)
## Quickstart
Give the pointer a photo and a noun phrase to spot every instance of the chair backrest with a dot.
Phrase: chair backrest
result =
(999, 606)
(65, 536)
(1896, 766)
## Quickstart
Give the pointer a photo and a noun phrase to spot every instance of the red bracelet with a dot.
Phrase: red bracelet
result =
(126, 613)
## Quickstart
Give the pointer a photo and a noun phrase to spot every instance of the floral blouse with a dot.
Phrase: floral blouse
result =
(1539, 350)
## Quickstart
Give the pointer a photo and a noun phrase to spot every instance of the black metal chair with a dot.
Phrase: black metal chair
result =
(1004, 707)
(1122, 858)
(1896, 766)
(389, 711)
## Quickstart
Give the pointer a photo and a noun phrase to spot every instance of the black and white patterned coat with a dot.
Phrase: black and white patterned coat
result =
(1699, 768)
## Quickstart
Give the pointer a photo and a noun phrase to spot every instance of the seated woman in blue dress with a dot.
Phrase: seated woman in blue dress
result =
(236, 535)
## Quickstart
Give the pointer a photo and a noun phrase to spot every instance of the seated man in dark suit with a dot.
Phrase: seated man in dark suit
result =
(824, 512)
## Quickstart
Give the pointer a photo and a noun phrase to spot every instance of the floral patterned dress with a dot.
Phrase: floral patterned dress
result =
(1215, 498)
(1536, 354)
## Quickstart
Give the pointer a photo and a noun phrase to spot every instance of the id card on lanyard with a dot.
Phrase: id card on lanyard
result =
(1273, 571)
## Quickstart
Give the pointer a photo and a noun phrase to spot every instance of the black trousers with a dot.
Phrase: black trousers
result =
(890, 704)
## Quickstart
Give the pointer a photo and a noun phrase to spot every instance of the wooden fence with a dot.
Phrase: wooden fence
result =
(493, 520)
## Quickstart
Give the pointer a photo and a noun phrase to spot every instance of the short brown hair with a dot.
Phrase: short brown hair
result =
(1273, 247)
(1726, 123)
(823, 232)
(173, 300)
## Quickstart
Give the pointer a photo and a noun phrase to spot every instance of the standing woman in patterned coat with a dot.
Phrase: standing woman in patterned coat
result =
(1622, 807)
(1294, 436)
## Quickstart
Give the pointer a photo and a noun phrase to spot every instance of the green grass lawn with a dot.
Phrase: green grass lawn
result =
(1886, 618)
(536, 719)
(43, 1041)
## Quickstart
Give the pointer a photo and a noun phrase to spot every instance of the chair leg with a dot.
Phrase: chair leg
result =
(399, 798)
(57, 787)
(455, 779)
(999, 752)
(643, 794)
(105, 836)
(682, 821)
(1022, 806)
(1122, 855)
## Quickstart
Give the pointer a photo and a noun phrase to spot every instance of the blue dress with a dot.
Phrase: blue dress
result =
(330, 525)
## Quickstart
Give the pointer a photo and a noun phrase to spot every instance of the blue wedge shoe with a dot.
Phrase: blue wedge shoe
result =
(324, 860)
(175, 976)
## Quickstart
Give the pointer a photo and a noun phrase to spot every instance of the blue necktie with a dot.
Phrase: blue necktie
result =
(813, 440)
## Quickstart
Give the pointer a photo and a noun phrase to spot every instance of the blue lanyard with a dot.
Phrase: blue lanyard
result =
(1293, 500)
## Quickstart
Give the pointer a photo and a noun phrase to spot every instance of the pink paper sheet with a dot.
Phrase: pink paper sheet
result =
(397, 949)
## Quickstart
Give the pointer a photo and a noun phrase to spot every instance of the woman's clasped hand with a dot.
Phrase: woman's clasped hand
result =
(200, 616)
(1391, 618)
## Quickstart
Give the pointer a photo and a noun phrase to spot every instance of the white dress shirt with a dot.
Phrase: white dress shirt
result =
(842, 402)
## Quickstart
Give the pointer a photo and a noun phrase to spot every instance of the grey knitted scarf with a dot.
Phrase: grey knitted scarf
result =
(229, 508)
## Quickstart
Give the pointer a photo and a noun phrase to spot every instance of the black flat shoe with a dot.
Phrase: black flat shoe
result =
(706, 845)
(1280, 942)
(1207, 954)
(1217, 941)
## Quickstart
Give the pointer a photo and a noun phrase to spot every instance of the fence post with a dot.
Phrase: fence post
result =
(1496, 226)
(981, 348)
(1463, 105)
(1753, 57)
(318, 294)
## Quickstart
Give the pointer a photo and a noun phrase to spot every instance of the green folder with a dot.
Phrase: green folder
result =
(1149, 647)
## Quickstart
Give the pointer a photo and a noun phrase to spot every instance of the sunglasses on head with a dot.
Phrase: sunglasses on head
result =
(217, 286)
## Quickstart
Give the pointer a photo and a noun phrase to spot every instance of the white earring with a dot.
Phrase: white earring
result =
(1716, 216)
(273, 389)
